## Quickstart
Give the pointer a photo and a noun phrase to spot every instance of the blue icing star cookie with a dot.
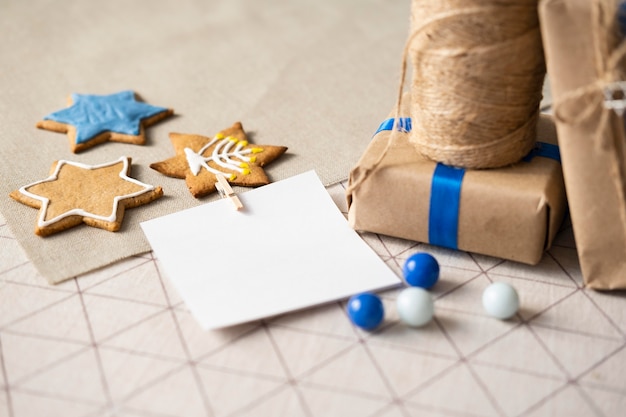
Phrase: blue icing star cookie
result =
(93, 119)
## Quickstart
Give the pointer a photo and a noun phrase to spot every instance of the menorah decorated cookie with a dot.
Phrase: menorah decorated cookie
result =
(199, 160)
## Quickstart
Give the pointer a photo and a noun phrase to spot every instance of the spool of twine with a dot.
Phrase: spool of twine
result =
(478, 72)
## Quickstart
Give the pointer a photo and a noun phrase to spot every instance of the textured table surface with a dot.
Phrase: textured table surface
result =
(120, 342)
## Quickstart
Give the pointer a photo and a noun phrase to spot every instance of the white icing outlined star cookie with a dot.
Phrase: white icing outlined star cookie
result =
(76, 193)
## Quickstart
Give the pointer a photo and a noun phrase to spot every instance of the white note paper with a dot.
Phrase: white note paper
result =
(289, 248)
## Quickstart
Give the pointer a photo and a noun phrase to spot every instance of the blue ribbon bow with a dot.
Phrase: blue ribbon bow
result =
(404, 125)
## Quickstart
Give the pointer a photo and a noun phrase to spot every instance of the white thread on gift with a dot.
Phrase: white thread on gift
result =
(615, 97)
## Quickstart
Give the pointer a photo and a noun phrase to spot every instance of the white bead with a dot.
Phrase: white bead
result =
(500, 300)
(415, 306)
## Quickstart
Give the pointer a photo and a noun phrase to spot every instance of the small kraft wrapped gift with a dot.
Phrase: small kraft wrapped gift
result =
(585, 57)
(511, 213)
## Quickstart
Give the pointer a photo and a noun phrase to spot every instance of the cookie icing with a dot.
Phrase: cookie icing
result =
(222, 155)
(93, 114)
(202, 160)
(45, 202)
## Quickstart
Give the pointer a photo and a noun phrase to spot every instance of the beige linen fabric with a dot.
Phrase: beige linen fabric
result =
(316, 76)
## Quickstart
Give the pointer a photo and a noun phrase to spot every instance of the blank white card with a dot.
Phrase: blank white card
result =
(289, 248)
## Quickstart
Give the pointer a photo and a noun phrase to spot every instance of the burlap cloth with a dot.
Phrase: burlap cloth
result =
(315, 76)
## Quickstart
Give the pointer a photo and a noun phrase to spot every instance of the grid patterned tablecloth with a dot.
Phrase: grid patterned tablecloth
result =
(119, 342)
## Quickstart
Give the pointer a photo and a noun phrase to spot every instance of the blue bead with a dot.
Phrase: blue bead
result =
(365, 310)
(621, 17)
(421, 270)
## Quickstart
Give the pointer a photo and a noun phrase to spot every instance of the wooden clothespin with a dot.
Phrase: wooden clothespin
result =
(223, 187)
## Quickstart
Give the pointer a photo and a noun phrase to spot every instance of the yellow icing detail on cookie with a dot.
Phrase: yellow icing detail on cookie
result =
(218, 157)
(232, 139)
(244, 165)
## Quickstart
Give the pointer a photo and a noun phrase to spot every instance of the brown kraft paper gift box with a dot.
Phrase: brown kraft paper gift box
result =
(511, 213)
(580, 38)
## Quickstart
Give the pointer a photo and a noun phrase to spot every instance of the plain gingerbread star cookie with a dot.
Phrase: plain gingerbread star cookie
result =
(93, 119)
(76, 193)
(200, 159)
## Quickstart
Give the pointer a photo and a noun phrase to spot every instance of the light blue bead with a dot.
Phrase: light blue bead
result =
(365, 310)
(415, 306)
(421, 270)
(500, 300)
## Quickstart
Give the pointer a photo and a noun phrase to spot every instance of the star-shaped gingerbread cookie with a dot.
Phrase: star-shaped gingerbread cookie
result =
(199, 159)
(75, 193)
(93, 119)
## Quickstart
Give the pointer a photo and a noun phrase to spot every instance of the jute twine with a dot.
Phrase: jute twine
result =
(478, 72)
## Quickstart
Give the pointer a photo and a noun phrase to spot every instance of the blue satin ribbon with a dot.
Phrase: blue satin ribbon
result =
(445, 191)
(445, 199)
(545, 150)
(404, 124)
